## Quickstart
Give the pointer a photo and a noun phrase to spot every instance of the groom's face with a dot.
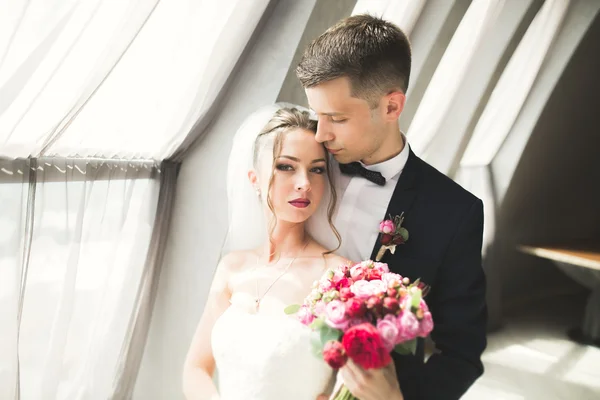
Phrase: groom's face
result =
(348, 127)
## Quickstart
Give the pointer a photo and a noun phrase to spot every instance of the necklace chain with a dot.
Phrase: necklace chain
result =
(258, 296)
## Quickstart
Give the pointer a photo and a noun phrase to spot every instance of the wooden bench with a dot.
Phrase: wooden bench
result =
(587, 257)
(582, 256)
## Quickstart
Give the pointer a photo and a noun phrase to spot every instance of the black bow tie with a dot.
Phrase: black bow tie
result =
(356, 168)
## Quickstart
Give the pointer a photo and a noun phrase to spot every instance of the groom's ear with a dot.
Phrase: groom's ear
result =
(394, 105)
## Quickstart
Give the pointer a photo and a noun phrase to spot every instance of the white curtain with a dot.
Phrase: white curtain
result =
(84, 85)
(444, 89)
(504, 106)
(124, 79)
(14, 191)
(403, 13)
(91, 231)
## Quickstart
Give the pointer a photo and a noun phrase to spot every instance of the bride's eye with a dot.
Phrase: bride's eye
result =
(284, 167)
(318, 170)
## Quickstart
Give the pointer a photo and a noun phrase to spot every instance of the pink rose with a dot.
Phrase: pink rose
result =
(358, 272)
(426, 325)
(391, 280)
(408, 325)
(378, 286)
(381, 267)
(334, 354)
(387, 226)
(325, 285)
(361, 289)
(368, 288)
(423, 306)
(305, 316)
(388, 330)
(319, 308)
(335, 314)
(338, 275)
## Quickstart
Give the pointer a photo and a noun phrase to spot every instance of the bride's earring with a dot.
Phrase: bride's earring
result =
(258, 192)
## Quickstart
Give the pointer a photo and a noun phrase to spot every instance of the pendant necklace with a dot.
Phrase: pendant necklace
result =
(259, 298)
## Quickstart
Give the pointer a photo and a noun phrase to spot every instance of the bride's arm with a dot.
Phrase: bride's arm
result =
(199, 365)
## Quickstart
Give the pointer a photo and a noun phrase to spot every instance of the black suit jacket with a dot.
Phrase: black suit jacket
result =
(445, 225)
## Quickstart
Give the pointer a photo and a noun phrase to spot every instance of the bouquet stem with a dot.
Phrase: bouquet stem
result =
(344, 394)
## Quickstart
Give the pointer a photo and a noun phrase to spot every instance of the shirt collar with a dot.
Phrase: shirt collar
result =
(393, 166)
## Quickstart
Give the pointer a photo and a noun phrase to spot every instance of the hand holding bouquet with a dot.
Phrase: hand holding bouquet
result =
(364, 312)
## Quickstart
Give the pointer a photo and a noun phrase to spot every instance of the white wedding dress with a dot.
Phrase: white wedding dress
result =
(265, 357)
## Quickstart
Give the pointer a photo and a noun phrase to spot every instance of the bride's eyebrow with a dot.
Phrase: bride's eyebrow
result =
(298, 160)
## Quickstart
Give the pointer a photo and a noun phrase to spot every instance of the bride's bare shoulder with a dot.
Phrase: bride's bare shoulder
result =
(236, 260)
(334, 260)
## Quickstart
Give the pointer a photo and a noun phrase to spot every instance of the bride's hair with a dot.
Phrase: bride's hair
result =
(283, 121)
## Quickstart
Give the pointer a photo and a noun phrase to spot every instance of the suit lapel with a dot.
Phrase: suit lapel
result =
(402, 198)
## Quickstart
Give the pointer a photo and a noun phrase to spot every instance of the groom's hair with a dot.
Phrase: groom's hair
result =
(372, 53)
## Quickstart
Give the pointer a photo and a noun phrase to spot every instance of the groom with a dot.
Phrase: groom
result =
(355, 76)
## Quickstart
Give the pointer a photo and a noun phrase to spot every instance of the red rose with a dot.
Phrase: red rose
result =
(392, 292)
(343, 283)
(373, 274)
(345, 294)
(398, 240)
(345, 270)
(365, 347)
(386, 239)
(374, 303)
(334, 354)
(391, 304)
(355, 308)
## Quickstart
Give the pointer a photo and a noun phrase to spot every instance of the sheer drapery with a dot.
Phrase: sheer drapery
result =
(83, 78)
(403, 13)
(444, 89)
(14, 235)
(82, 82)
(502, 109)
(91, 233)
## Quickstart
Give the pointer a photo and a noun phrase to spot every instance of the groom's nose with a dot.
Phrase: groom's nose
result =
(323, 131)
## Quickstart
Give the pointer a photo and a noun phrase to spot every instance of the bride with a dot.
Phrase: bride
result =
(278, 177)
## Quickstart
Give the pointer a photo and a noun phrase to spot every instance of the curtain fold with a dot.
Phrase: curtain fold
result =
(127, 79)
(133, 345)
(444, 89)
(503, 108)
(57, 56)
(16, 194)
(91, 233)
(403, 13)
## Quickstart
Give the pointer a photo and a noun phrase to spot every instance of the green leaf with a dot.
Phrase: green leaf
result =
(292, 309)
(404, 233)
(328, 333)
(406, 347)
(317, 324)
(317, 347)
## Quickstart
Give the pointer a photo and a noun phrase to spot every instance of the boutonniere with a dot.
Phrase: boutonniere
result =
(392, 233)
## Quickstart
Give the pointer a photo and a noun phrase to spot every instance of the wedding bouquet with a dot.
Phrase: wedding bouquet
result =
(364, 312)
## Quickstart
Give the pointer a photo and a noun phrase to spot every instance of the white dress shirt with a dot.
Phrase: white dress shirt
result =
(361, 207)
